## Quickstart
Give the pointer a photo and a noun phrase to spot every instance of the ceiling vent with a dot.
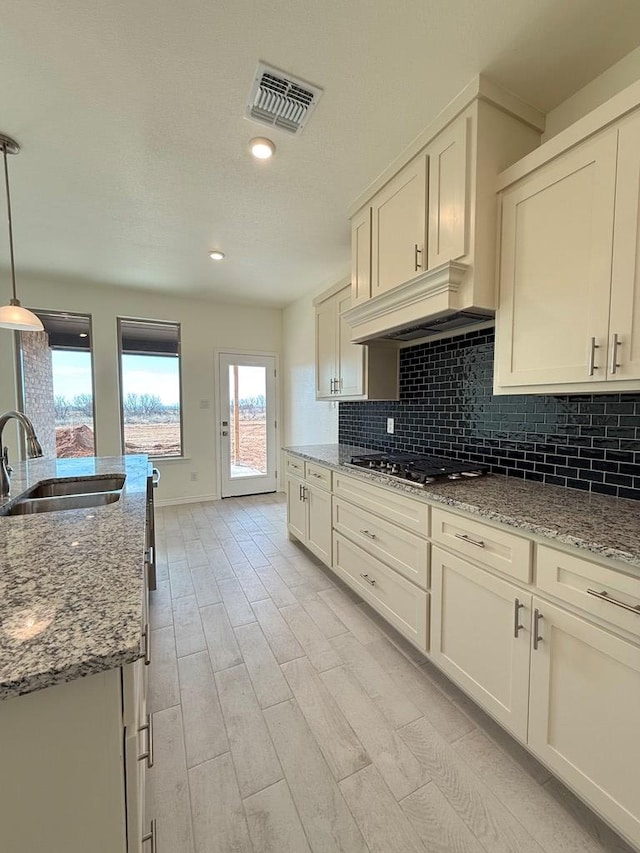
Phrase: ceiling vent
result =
(281, 100)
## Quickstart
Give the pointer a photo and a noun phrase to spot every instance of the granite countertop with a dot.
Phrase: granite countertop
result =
(71, 582)
(608, 527)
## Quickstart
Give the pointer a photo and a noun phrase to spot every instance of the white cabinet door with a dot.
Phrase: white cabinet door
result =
(448, 166)
(326, 345)
(584, 711)
(555, 269)
(474, 639)
(624, 332)
(296, 510)
(318, 506)
(350, 356)
(361, 256)
(398, 228)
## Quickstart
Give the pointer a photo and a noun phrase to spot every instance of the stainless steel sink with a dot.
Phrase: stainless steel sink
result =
(29, 505)
(64, 487)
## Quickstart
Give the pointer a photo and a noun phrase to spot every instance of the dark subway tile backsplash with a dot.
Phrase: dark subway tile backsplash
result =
(447, 407)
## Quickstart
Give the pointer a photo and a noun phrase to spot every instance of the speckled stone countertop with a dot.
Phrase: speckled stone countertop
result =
(608, 527)
(71, 582)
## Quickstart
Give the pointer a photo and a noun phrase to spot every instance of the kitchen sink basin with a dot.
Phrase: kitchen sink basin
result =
(88, 486)
(29, 505)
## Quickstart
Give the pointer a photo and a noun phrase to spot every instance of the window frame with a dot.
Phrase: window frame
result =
(119, 321)
(19, 364)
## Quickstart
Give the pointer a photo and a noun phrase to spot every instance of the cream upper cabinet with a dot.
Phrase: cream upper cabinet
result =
(447, 200)
(361, 256)
(624, 323)
(569, 311)
(326, 347)
(583, 718)
(557, 237)
(398, 215)
(348, 371)
(432, 240)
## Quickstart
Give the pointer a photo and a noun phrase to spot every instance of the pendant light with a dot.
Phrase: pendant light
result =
(13, 315)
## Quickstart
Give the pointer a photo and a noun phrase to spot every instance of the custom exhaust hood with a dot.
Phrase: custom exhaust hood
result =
(429, 304)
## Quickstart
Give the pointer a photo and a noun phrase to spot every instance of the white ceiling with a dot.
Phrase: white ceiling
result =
(130, 114)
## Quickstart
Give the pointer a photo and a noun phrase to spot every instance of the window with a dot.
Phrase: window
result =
(56, 383)
(150, 387)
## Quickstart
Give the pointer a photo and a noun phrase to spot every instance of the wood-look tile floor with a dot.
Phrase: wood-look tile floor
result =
(289, 718)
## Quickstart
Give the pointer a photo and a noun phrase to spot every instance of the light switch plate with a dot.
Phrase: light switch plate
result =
(390, 425)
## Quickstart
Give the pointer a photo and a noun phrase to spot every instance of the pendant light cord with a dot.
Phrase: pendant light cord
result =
(6, 183)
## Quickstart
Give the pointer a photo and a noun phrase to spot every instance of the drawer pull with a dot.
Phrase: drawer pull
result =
(147, 644)
(604, 596)
(319, 476)
(477, 542)
(370, 581)
(151, 836)
(537, 616)
(148, 755)
(517, 627)
(368, 533)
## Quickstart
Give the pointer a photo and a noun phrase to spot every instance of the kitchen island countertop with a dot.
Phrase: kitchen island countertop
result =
(71, 582)
(605, 526)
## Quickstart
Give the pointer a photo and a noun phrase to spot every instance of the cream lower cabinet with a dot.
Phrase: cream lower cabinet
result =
(480, 636)
(71, 778)
(309, 510)
(584, 712)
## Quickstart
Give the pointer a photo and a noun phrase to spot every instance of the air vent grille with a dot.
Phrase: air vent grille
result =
(281, 100)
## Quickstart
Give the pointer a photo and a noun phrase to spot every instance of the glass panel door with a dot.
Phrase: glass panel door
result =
(247, 424)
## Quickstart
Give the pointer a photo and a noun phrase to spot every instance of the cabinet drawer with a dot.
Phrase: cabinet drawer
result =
(400, 602)
(403, 551)
(294, 465)
(482, 544)
(393, 506)
(570, 578)
(318, 475)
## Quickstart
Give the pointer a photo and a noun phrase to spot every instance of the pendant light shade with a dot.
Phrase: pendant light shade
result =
(13, 315)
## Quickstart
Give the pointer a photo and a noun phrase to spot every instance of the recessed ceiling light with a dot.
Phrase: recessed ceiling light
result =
(262, 148)
(216, 255)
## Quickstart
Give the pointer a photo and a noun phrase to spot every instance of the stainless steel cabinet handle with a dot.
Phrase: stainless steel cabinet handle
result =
(319, 476)
(147, 644)
(604, 596)
(368, 533)
(592, 356)
(151, 836)
(478, 542)
(299, 491)
(333, 390)
(517, 627)
(155, 476)
(417, 263)
(370, 581)
(537, 616)
(148, 755)
(614, 354)
(303, 490)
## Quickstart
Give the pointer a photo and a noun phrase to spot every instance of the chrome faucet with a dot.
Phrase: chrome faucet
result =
(33, 449)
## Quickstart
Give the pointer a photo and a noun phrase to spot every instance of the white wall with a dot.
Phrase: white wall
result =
(306, 420)
(204, 327)
(599, 90)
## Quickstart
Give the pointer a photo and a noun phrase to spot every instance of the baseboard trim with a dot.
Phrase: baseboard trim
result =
(188, 500)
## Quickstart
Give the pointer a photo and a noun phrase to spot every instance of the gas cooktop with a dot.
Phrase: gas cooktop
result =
(418, 469)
